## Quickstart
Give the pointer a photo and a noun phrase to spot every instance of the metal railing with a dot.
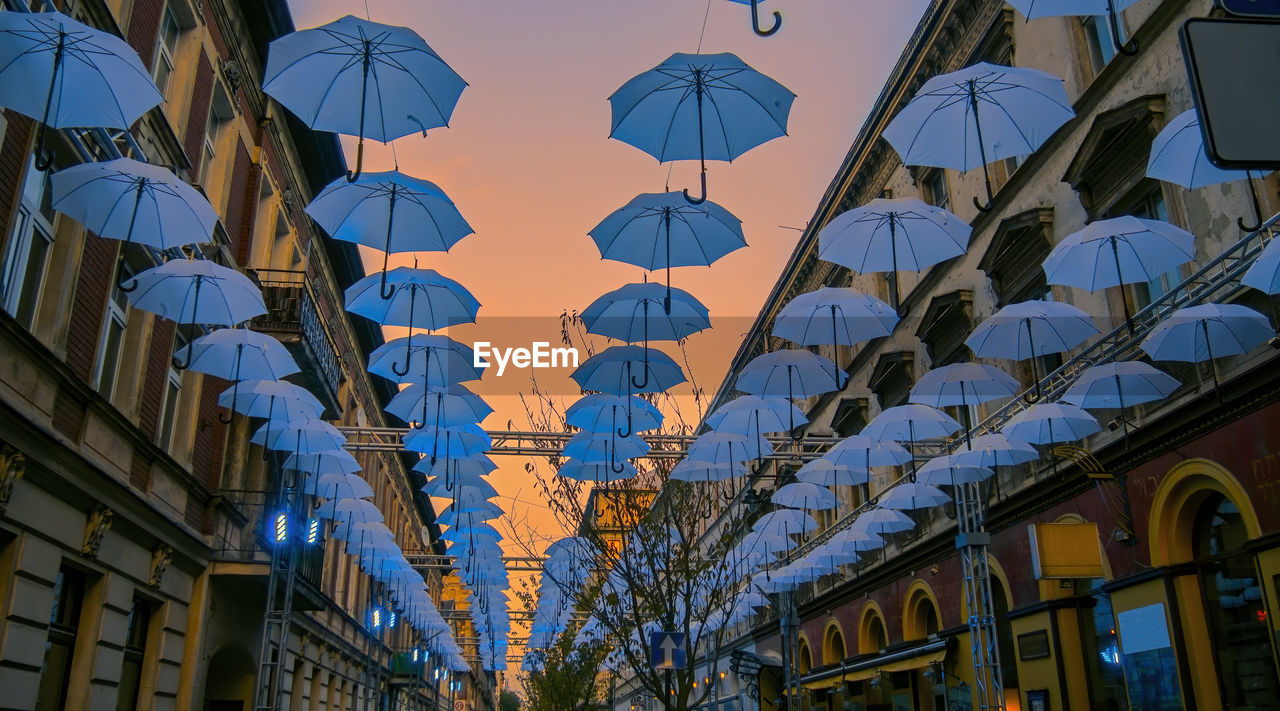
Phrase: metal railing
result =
(292, 305)
(251, 541)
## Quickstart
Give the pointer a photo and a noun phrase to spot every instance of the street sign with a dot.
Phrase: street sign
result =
(1234, 67)
(1251, 8)
(667, 650)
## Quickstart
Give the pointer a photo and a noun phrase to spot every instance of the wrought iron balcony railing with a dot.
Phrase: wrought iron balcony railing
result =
(294, 316)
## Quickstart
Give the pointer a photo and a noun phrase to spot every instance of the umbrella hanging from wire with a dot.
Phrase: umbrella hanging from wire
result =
(362, 78)
(994, 450)
(831, 316)
(613, 371)
(754, 415)
(1030, 329)
(825, 472)
(910, 423)
(390, 212)
(1057, 8)
(443, 406)
(755, 18)
(130, 201)
(663, 230)
(188, 291)
(1122, 250)
(1195, 334)
(639, 313)
(984, 112)
(704, 106)
(961, 385)
(94, 78)
(601, 412)
(237, 354)
(419, 297)
(893, 235)
(1050, 422)
(1178, 156)
(1120, 385)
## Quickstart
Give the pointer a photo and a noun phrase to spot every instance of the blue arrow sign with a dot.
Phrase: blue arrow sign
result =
(667, 650)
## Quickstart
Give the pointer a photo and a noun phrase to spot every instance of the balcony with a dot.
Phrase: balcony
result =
(295, 317)
(242, 547)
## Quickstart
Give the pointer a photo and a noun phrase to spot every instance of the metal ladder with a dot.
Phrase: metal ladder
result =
(973, 540)
(278, 615)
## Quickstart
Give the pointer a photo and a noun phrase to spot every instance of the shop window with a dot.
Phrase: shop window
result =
(892, 378)
(135, 648)
(1234, 608)
(1112, 158)
(1101, 650)
(64, 625)
(26, 259)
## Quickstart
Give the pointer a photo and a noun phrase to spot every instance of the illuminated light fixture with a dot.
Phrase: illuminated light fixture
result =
(415, 656)
(376, 618)
(282, 527)
(391, 619)
(313, 530)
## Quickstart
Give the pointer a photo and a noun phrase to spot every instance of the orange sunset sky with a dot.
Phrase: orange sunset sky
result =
(528, 161)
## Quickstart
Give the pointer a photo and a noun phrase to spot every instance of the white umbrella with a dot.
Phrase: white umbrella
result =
(881, 521)
(1198, 333)
(908, 423)
(1264, 275)
(863, 452)
(912, 495)
(196, 291)
(892, 235)
(801, 495)
(1178, 156)
(336, 486)
(1030, 329)
(984, 112)
(963, 384)
(66, 74)
(337, 461)
(690, 469)
(1050, 422)
(853, 540)
(824, 472)
(1056, 8)
(1122, 250)
(299, 436)
(834, 317)
(994, 450)
(948, 471)
(596, 471)
(362, 78)
(729, 447)
(754, 414)
(788, 522)
(352, 511)
(1119, 385)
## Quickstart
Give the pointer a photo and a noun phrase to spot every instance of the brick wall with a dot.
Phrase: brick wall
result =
(144, 26)
(198, 115)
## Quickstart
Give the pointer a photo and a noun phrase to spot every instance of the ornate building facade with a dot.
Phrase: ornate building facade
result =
(133, 542)
(1181, 491)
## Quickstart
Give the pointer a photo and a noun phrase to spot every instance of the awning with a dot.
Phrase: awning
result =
(915, 657)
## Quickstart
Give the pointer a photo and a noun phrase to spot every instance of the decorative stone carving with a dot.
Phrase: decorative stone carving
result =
(160, 559)
(13, 465)
(95, 530)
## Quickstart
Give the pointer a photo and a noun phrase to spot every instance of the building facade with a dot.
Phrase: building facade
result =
(133, 543)
(1181, 491)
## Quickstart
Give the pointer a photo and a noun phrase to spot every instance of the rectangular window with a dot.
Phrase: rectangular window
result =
(169, 409)
(26, 260)
(64, 623)
(934, 188)
(111, 346)
(1097, 35)
(166, 49)
(135, 649)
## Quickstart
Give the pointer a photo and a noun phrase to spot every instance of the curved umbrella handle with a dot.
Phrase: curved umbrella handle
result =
(627, 433)
(354, 176)
(1257, 208)
(755, 20)
(644, 382)
(703, 197)
(408, 344)
(1129, 48)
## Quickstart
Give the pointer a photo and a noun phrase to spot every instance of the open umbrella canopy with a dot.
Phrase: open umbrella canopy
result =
(1119, 385)
(336, 486)
(596, 471)
(1264, 275)
(729, 447)
(438, 406)
(910, 423)
(787, 522)
(241, 354)
(863, 452)
(692, 469)
(802, 495)
(1199, 333)
(134, 202)
(753, 414)
(604, 447)
(362, 78)
(455, 466)
(912, 495)
(982, 113)
(448, 442)
(948, 471)
(272, 399)
(601, 412)
(825, 472)
(66, 74)
(419, 297)
(437, 486)
(390, 212)
(196, 291)
(994, 450)
(617, 370)
(893, 235)
(834, 316)
(663, 230)
(1030, 329)
(337, 461)
(790, 373)
(855, 541)
(881, 521)
(1121, 250)
(299, 436)
(350, 511)
(963, 384)
(1178, 155)
(646, 312)
(425, 358)
(1050, 422)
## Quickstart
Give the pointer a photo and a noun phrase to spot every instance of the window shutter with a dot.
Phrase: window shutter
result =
(144, 25)
(198, 117)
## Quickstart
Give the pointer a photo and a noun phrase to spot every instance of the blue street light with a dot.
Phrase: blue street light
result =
(391, 619)
(281, 528)
(313, 530)
(375, 618)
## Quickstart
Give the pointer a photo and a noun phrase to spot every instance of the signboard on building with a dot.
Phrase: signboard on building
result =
(1234, 68)
(1251, 8)
(1065, 551)
(667, 650)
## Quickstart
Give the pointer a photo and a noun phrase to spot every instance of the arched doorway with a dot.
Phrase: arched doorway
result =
(833, 649)
(920, 613)
(872, 636)
(229, 681)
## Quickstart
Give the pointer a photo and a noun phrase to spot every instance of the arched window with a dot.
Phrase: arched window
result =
(871, 632)
(833, 649)
(804, 659)
(1233, 605)
(920, 616)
